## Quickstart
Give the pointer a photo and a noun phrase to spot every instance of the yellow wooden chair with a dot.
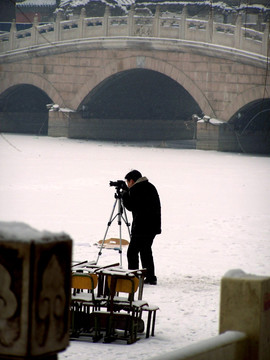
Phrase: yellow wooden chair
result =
(83, 302)
(123, 312)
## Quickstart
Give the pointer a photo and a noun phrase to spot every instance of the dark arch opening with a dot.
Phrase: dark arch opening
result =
(23, 110)
(251, 124)
(150, 105)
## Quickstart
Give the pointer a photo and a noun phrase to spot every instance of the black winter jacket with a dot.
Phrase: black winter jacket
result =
(143, 201)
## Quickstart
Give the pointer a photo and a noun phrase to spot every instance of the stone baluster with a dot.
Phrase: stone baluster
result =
(131, 21)
(12, 35)
(210, 27)
(266, 39)
(81, 23)
(106, 21)
(34, 31)
(57, 29)
(156, 23)
(183, 24)
(238, 32)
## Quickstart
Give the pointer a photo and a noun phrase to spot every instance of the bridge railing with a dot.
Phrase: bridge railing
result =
(158, 26)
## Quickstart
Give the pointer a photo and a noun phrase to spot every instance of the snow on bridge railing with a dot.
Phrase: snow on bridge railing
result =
(158, 26)
(230, 345)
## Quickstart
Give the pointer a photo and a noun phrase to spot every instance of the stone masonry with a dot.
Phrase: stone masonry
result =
(219, 84)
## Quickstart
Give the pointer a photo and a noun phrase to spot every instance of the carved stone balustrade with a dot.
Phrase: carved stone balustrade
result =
(158, 26)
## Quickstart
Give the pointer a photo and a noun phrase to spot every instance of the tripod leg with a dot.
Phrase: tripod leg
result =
(121, 211)
(125, 218)
(107, 229)
(120, 229)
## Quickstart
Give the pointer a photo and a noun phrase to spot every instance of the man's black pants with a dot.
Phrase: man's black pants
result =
(141, 245)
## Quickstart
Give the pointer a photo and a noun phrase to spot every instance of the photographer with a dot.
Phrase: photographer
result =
(142, 200)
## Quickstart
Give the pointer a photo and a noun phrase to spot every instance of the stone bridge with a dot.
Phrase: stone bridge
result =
(138, 78)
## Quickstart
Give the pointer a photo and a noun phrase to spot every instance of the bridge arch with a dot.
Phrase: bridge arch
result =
(38, 81)
(251, 124)
(255, 93)
(148, 63)
(23, 109)
(139, 94)
(139, 104)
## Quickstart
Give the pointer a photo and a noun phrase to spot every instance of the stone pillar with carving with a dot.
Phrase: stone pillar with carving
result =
(34, 292)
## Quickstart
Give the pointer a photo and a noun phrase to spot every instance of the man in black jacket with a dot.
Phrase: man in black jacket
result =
(142, 200)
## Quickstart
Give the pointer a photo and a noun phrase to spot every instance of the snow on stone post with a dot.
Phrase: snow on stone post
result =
(245, 307)
(34, 293)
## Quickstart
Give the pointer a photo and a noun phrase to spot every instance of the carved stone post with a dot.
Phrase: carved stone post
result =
(57, 28)
(238, 32)
(34, 292)
(34, 31)
(12, 35)
(131, 21)
(156, 30)
(210, 27)
(81, 23)
(183, 24)
(266, 40)
(106, 21)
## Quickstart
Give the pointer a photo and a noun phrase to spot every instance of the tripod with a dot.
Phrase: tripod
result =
(120, 215)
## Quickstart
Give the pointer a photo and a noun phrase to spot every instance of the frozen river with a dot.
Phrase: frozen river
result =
(215, 217)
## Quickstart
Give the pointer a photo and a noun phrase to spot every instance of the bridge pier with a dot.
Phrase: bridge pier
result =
(216, 135)
(58, 123)
(213, 134)
(73, 124)
(210, 134)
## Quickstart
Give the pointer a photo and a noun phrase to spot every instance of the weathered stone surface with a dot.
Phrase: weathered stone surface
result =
(245, 306)
(34, 292)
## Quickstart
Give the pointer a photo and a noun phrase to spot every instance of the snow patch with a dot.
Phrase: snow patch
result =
(17, 231)
(240, 274)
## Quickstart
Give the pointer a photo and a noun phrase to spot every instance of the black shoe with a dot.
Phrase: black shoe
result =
(151, 281)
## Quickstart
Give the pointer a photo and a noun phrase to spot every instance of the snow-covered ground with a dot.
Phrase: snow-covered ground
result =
(215, 217)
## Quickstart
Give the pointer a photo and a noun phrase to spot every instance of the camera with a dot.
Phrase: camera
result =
(119, 184)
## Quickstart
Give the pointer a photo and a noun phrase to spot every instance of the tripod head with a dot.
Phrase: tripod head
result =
(119, 185)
